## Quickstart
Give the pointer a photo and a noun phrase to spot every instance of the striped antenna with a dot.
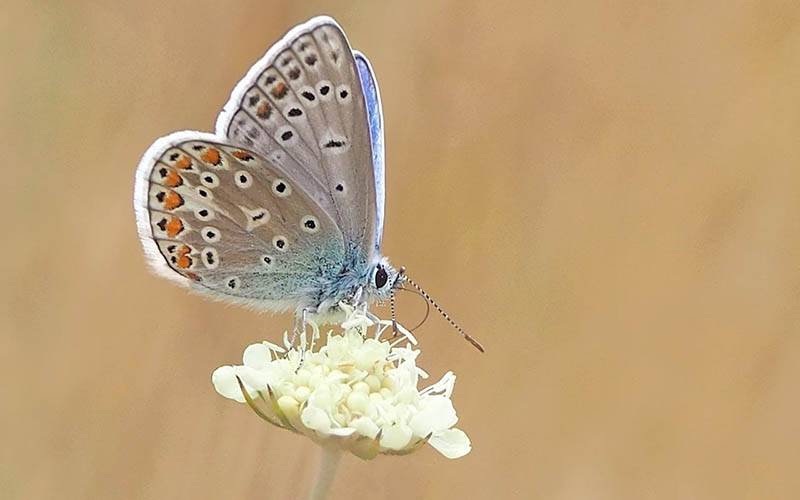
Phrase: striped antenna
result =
(469, 338)
(395, 331)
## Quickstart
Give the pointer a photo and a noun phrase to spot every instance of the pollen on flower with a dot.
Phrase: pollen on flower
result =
(355, 390)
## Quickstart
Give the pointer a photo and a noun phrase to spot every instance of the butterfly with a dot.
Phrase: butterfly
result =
(282, 207)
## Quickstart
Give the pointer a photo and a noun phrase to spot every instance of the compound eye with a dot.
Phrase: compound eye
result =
(381, 277)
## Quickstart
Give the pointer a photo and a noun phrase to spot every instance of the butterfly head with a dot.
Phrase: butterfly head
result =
(383, 280)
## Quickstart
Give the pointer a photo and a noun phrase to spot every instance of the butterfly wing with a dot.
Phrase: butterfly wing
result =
(372, 99)
(229, 223)
(302, 106)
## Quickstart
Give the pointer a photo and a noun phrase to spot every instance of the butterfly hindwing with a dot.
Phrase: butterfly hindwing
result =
(303, 108)
(230, 223)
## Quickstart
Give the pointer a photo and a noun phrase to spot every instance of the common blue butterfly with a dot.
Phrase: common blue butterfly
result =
(283, 206)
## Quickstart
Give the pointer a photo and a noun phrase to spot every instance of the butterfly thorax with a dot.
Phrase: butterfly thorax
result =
(353, 283)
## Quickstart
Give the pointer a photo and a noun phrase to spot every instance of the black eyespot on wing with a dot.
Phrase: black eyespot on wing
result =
(343, 94)
(294, 73)
(308, 95)
(381, 277)
(295, 112)
(324, 90)
(339, 188)
(287, 135)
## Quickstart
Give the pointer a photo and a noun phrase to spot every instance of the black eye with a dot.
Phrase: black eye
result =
(381, 277)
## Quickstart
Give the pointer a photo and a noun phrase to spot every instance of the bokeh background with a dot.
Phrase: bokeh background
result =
(605, 193)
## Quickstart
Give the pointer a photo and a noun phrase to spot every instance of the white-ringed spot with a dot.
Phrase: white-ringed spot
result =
(280, 243)
(325, 90)
(281, 188)
(309, 224)
(204, 193)
(211, 234)
(293, 113)
(255, 217)
(268, 261)
(210, 257)
(203, 214)
(343, 94)
(307, 96)
(209, 179)
(243, 179)
(286, 136)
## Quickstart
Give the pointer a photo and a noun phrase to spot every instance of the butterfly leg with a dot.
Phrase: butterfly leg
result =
(295, 330)
(357, 296)
(298, 329)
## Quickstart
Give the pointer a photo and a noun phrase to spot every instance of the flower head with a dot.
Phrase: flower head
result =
(357, 392)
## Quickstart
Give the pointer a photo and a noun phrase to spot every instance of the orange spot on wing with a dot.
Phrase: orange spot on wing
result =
(173, 179)
(264, 110)
(184, 261)
(173, 200)
(211, 156)
(174, 227)
(279, 90)
(183, 163)
(193, 276)
(243, 155)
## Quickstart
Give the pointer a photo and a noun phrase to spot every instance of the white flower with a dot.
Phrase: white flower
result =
(357, 392)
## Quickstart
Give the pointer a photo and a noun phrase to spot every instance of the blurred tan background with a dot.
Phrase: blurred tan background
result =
(605, 193)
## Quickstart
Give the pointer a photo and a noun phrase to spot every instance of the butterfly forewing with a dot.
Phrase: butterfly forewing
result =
(231, 222)
(302, 107)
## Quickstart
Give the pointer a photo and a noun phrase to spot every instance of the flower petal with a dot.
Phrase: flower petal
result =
(365, 426)
(436, 414)
(315, 418)
(396, 437)
(342, 431)
(253, 379)
(224, 380)
(452, 443)
(257, 356)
